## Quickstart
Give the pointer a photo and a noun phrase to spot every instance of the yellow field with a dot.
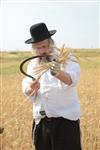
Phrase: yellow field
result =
(16, 111)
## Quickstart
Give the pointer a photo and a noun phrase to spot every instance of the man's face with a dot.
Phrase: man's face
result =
(42, 47)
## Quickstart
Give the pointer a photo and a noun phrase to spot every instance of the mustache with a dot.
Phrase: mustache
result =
(50, 55)
(46, 57)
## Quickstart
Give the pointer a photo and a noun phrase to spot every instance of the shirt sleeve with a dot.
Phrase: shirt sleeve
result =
(72, 67)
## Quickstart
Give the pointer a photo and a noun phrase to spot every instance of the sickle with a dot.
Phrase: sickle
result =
(23, 62)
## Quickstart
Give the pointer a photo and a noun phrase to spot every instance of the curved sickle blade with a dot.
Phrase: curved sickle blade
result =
(23, 62)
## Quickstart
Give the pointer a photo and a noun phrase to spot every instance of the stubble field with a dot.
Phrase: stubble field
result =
(16, 111)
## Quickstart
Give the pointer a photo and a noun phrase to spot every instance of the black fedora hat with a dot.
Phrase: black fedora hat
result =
(39, 32)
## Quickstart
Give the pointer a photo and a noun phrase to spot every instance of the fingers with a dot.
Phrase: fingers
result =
(34, 92)
(35, 84)
(33, 87)
(55, 68)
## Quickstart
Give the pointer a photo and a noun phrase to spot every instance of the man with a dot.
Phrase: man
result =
(56, 109)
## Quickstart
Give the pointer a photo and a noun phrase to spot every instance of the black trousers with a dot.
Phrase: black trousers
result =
(57, 134)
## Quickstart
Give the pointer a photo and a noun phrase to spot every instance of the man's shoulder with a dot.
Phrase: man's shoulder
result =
(72, 57)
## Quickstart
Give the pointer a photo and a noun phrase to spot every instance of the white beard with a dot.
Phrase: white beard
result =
(53, 56)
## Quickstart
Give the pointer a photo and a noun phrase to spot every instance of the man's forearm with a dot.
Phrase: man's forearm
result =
(64, 77)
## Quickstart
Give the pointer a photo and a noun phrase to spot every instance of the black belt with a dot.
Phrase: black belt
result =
(42, 113)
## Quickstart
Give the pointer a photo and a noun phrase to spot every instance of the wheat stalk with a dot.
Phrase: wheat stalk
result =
(64, 52)
(62, 57)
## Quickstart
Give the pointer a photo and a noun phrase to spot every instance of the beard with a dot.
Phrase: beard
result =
(52, 55)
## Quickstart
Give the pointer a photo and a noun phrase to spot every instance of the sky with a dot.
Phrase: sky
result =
(76, 22)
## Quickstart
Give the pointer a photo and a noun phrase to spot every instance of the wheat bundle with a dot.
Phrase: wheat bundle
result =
(62, 57)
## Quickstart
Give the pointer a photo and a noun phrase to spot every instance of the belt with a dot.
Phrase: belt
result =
(52, 118)
(42, 113)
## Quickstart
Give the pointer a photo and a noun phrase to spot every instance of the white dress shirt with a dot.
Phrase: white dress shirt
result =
(55, 97)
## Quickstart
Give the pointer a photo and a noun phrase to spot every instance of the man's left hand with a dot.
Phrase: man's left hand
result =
(55, 68)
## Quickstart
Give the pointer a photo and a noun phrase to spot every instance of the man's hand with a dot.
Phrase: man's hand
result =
(59, 74)
(55, 68)
(33, 88)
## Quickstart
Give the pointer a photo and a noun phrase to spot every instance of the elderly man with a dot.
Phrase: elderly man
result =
(56, 108)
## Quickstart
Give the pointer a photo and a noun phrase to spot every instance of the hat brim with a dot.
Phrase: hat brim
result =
(52, 32)
(29, 41)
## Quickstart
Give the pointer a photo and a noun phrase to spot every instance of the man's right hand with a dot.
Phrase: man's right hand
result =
(33, 88)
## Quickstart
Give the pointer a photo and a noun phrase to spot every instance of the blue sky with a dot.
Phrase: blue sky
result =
(76, 22)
